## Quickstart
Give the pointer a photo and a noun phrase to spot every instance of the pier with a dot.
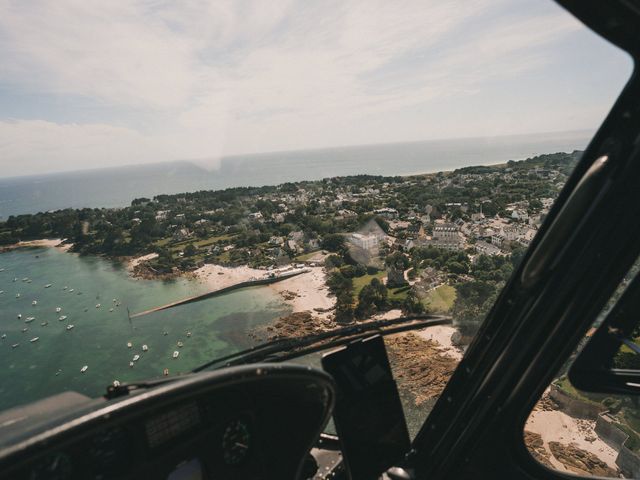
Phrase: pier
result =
(220, 291)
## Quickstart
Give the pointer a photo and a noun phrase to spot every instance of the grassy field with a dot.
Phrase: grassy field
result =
(306, 256)
(440, 299)
(360, 282)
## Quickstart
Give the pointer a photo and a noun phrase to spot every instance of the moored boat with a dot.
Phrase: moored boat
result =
(29, 319)
(144, 348)
(62, 318)
(136, 357)
(175, 354)
(34, 339)
(84, 369)
(70, 326)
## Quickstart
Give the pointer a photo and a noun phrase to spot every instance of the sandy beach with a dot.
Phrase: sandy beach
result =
(43, 242)
(134, 262)
(307, 292)
(556, 426)
(442, 335)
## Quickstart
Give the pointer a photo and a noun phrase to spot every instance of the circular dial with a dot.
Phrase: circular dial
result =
(236, 441)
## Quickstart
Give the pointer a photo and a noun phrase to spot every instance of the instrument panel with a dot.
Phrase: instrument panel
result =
(229, 425)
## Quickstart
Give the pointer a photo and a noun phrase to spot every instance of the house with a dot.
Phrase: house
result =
(366, 242)
(386, 212)
(255, 216)
(486, 248)
(181, 234)
(277, 241)
(445, 235)
(415, 230)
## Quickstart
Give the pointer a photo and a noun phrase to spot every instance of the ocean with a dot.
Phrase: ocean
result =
(116, 187)
(99, 338)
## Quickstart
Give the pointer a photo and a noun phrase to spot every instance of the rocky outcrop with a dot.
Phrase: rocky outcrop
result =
(580, 461)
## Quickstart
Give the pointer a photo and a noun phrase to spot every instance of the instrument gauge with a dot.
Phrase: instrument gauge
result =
(236, 442)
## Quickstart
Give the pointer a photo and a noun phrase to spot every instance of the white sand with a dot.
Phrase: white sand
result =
(555, 426)
(134, 262)
(311, 292)
(442, 335)
(217, 276)
(44, 242)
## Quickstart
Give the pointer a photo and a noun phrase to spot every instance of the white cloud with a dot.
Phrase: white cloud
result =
(233, 76)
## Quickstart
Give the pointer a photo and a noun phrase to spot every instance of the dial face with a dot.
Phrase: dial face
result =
(236, 442)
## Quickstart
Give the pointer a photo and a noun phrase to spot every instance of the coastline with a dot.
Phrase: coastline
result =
(42, 242)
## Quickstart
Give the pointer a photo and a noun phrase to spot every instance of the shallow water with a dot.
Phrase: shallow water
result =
(99, 337)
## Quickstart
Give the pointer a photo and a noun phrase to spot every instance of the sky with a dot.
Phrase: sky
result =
(87, 84)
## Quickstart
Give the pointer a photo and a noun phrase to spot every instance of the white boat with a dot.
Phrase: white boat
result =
(97, 305)
(58, 372)
(1, 292)
(129, 345)
(144, 348)
(25, 279)
(29, 319)
(131, 364)
(70, 290)
(48, 285)
(25, 329)
(62, 318)
(17, 295)
(64, 288)
(165, 333)
(70, 326)
(34, 339)
(1, 269)
(111, 309)
(188, 334)
(15, 345)
(180, 344)
(15, 279)
(4, 335)
(175, 354)
(114, 300)
(84, 369)
(29, 281)
(34, 303)
(44, 324)
(58, 309)
(19, 316)
(136, 357)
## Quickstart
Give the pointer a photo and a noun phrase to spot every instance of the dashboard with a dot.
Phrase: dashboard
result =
(250, 422)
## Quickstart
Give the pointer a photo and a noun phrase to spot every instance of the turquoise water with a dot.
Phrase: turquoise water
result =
(99, 338)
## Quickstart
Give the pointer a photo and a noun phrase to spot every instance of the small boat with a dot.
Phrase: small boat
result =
(84, 369)
(145, 348)
(25, 279)
(15, 345)
(165, 372)
(62, 318)
(116, 383)
(58, 309)
(48, 285)
(34, 339)
(25, 329)
(58, 372)
(114, 300)
(111, 309)
(1, 292)
(70, 326)
(64, 288)
(44, 324)
(165, 333)
(70, 290)
(129, 345)
(136, 357)
(17, 295)
(175, 354)
(29, 319)
(97, 305)
(19, 316)
(180, 344)
(4, 335)
(15, 279)
(34, 303)
(29, 281)
(188, 334)
(1, 269)
(131, 364)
